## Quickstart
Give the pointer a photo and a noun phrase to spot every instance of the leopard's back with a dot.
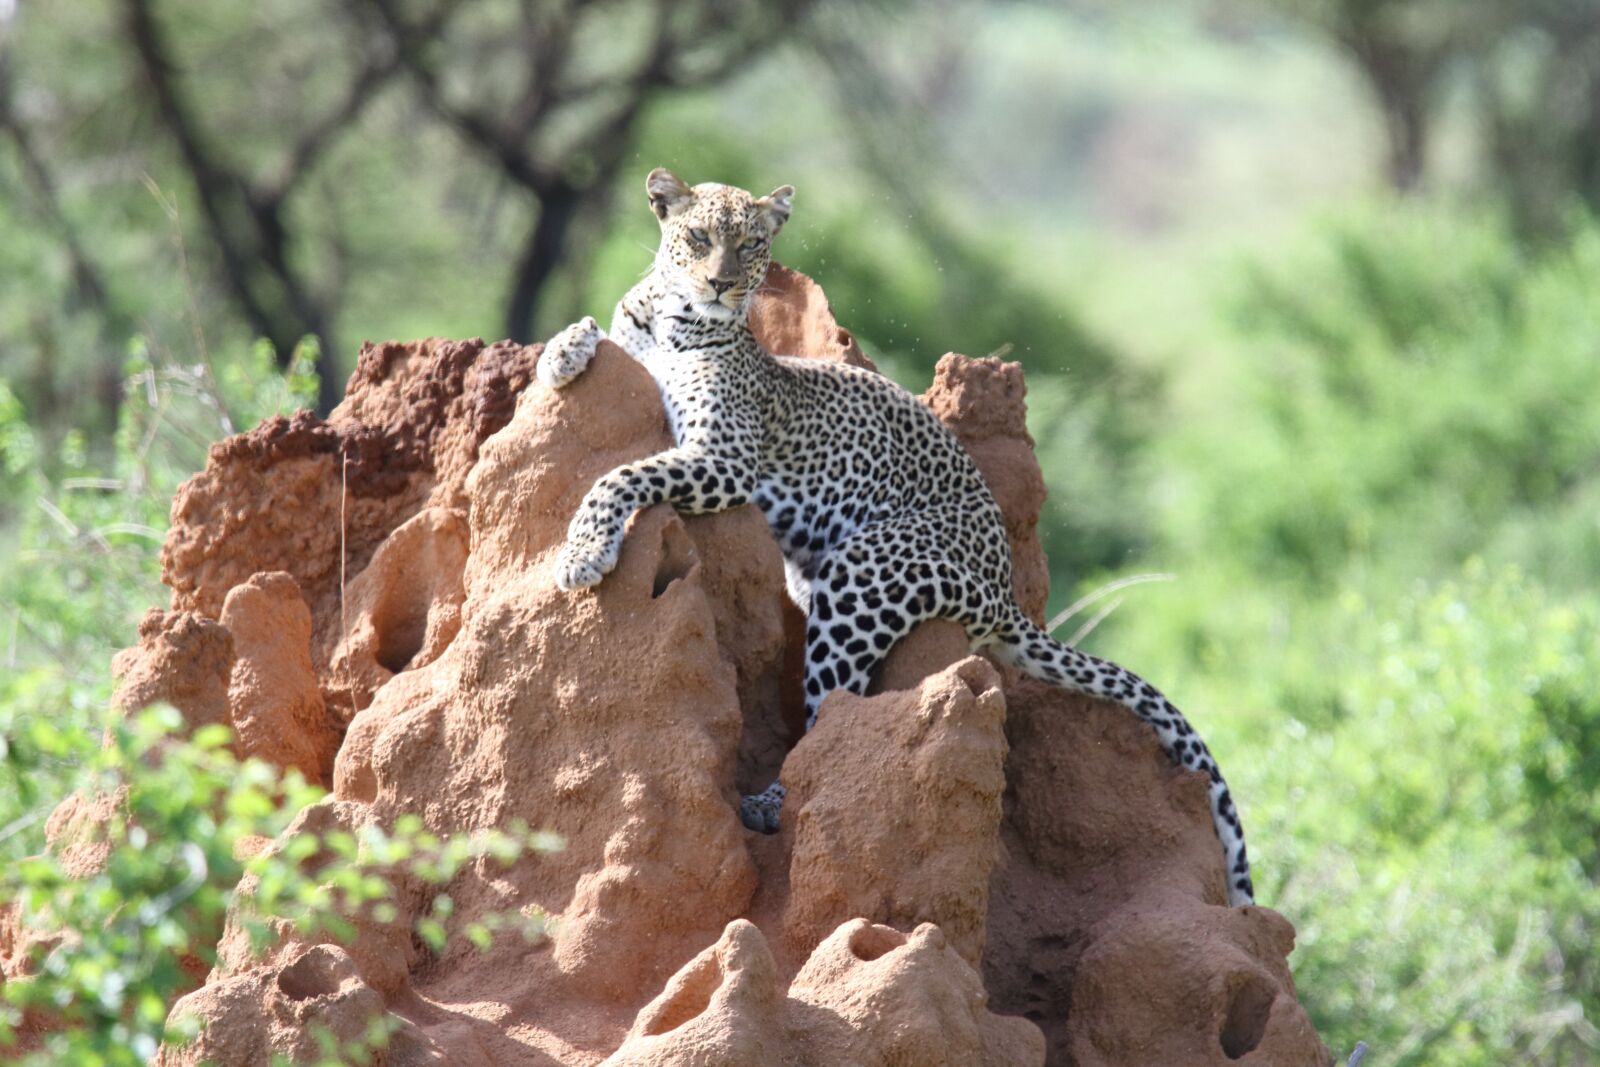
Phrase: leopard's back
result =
(846, 447)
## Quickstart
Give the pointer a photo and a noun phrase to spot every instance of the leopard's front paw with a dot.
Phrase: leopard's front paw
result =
(567, 353)
(580, 566)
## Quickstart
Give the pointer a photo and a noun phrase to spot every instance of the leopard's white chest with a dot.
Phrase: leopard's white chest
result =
(658, 361)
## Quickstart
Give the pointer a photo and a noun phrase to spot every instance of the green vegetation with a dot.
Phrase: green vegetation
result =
(1386, 549)
(1359, 428)
(170, 813)
(81, 541)
(144, 924)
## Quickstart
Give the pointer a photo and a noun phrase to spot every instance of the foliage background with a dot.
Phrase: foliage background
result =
(1306, 291)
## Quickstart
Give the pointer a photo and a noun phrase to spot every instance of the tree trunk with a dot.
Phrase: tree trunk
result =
(1401, 77)
(1405, 119)
(540, 257)
(246, 229)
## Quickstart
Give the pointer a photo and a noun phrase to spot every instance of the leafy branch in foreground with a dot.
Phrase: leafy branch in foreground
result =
(123, 913)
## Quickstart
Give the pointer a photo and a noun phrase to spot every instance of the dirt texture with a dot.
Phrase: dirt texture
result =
(973, 869)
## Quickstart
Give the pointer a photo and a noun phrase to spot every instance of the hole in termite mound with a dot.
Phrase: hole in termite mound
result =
(310, 976)
(873, 942)
(678, 557)
(690, 1000)
(1246, 1021)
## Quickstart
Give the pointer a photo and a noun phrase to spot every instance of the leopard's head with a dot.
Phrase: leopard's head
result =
(716, 240)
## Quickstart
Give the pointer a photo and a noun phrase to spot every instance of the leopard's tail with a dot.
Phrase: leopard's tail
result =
(1022, 643)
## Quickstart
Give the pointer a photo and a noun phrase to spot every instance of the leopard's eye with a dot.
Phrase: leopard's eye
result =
(699, 237)
(750, 244)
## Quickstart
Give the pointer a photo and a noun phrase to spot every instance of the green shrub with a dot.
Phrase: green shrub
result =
(81, 545)
(180, 810)
(1382, 527)
(1416, 772)
(1417, 393)
(1443, 912)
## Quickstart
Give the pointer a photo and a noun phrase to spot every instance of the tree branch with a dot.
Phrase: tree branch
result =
(88, 281)
(245, 223)
(213, 185)
(479, 129)
(511, 141)
(363, 88)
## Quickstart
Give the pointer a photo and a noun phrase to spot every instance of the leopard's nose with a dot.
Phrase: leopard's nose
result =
(721, 286)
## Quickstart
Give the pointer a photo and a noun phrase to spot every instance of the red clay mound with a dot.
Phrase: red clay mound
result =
(973, 869)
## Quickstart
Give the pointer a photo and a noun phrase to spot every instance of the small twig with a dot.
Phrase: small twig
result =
(1105, 590)
(96, 538)
(344, 626)
(194, 859)
(169, 207)
(156, 399)
(107, 484)
(1358, 1054)
(68, 667)
(1088, 627)
(137, 529)
(16, 826)
(67, 525)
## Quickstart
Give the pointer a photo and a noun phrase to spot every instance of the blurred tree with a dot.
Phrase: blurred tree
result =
(980, 302)
(1538, 88)
(512, 80)
(1532, 71)
(1402, 50)
(276, 123)
(245, 213)
(513, 90)
(31, 200)
(89, 289)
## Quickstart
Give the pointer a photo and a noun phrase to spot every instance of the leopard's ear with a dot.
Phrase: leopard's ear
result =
(775, 207)
(668, 195)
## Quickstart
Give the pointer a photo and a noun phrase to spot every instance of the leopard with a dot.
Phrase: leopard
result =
(882, 517)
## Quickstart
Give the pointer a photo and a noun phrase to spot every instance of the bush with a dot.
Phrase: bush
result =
(81, 547)
(124, 912)
(1415, 394)
(1444, 914)
(1381, 538)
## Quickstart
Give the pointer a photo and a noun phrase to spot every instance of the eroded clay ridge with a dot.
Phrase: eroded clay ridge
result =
(974, 869)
